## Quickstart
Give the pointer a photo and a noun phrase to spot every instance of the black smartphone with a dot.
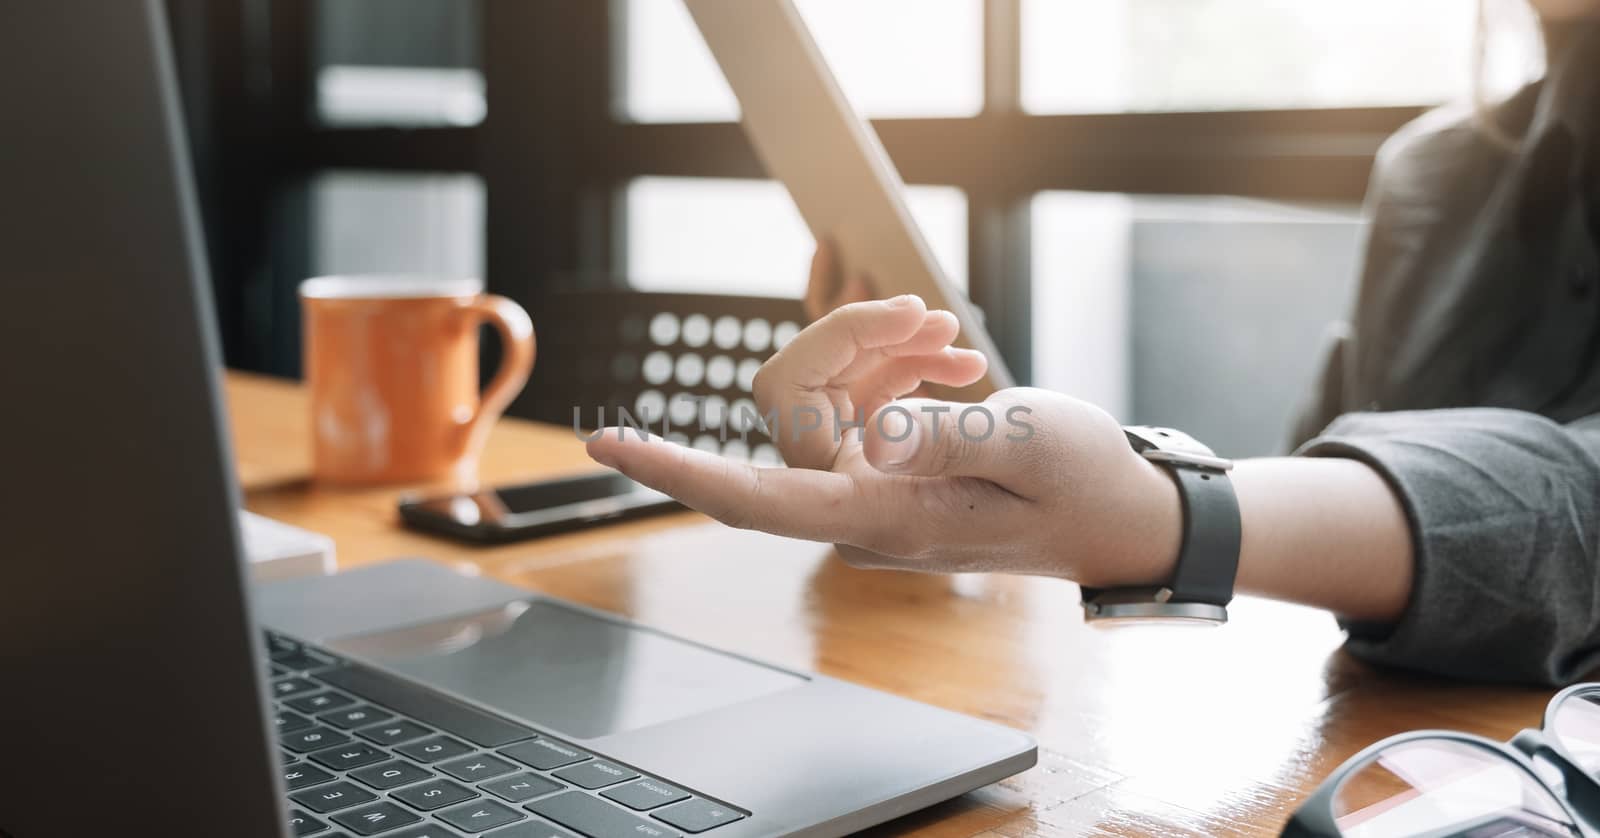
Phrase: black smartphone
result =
(512, 513)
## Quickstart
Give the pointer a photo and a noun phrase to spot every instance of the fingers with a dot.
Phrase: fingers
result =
(995, 440)
(829, 346)
(800, 378)
(828, 288)
(857, 289)
(800, 503)
(939, 329)
(902, 376)
(823, 287)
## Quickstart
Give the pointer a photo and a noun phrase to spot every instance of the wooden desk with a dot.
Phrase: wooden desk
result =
(1146, 731)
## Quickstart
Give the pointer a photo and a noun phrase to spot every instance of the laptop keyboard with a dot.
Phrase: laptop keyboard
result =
(368, 754)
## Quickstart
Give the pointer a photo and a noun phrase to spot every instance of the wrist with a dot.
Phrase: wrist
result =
(1146, 533)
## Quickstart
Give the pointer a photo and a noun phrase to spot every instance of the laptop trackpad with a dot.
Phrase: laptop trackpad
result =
(566, 670)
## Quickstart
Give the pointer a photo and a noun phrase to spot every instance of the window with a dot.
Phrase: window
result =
(1071, 164)
(894, 58)
(388, 222)
(1185, 55)
(725, 236)
(1180, 310)
(409, 63)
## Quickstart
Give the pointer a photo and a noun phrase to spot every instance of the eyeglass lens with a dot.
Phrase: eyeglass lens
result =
(1444, 788)
(1575, 724)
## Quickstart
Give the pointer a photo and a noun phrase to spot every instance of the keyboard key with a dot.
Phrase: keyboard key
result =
(301, 823)
(320, 702)
(520, 787)
(285, 687)
(349, 717)
(312, 738)
(645, 794)
(544, 754)
(596, 818)
(391, 775)
(285, 721)
(435, 749)
(596, 774)
(698, 815)
(435, 795)
(276, 671)
(476, 817)
(286, 758)
(303, 660)
(300, 776)
(332, 798)
(371, 820)
(277, 644)
(476, 767)
(426, 706)
(393, 733)
(349, 756)
(533, 828)
(427, 830)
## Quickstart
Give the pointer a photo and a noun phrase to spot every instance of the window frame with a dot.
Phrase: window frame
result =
(555, 172)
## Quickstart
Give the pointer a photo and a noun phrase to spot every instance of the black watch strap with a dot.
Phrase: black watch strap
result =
(1208, 559)
(1208, 555)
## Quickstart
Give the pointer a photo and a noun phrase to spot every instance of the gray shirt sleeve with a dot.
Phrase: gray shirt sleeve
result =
(1505, 509)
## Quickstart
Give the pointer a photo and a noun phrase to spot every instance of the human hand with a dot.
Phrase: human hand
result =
(1028, 481)
(829, 287)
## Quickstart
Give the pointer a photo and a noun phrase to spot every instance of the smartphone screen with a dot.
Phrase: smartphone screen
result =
(532, 497)
(511, 512)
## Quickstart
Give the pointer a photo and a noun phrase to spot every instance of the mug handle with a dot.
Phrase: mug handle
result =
(518, 348)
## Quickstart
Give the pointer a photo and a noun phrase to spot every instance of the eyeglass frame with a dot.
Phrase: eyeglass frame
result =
(1580, 801)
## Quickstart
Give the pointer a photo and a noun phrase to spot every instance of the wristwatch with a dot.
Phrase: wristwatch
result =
(1208, 558)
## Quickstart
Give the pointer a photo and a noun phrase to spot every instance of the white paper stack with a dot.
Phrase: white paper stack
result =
(280, 551)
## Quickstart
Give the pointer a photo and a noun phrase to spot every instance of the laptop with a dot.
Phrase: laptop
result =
(150, 690)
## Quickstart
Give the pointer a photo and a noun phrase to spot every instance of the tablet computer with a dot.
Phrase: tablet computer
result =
(846, 188)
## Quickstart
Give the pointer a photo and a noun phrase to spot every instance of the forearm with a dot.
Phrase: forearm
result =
(1326, 532)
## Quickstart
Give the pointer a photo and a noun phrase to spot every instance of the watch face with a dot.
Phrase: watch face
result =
(1145, 613)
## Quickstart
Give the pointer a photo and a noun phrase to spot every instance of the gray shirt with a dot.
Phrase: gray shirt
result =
(1469, 376)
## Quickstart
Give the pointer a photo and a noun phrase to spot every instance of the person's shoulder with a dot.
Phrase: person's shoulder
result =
(1450, 148)
(1434, 150)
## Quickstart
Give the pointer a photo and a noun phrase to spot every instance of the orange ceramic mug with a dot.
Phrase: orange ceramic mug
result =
(392, 365)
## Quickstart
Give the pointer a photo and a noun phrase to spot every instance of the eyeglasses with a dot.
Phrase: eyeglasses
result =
(1439, 784)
